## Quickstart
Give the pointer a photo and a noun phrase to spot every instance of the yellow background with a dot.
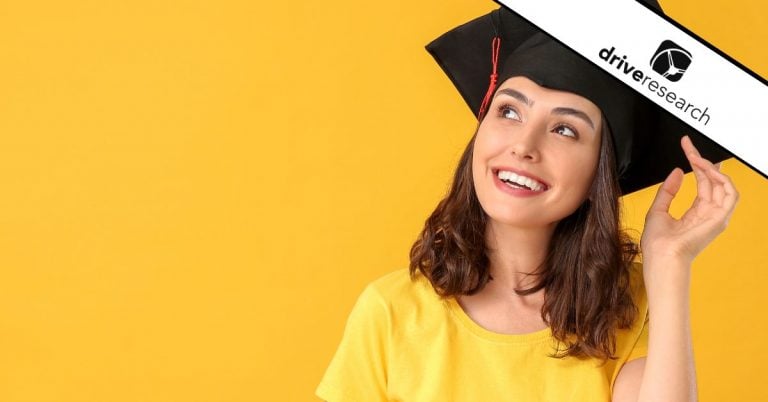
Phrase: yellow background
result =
(194, 193)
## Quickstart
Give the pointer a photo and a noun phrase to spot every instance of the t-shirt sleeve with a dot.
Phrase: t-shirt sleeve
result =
(358, 370)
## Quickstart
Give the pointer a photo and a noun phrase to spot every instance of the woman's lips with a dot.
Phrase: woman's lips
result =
(517, 192)
(520, 172)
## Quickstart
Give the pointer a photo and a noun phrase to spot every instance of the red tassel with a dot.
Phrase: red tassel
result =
(495, 45)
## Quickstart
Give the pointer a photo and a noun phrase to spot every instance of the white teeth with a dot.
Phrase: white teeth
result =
(522, 180)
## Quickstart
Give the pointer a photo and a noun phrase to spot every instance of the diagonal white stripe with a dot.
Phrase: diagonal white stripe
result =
(734, 105)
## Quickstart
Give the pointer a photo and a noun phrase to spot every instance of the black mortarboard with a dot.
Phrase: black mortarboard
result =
(646, 138)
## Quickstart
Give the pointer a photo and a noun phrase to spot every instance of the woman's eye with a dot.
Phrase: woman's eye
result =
(566, 131)
(508, 113)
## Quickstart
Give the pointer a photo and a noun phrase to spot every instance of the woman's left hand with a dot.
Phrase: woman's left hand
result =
(684, 238)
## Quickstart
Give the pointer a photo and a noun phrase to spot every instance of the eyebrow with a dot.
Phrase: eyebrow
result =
(575, 113)
(515, 94)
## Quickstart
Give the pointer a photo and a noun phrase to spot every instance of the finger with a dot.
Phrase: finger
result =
(721, 183)
(718, 191)
(712, 171)
(714, 185)
(703, 184)
(694, 156)
(726, 194)
(688, 146)
(728, 205)
(667, 191)
(731, 196)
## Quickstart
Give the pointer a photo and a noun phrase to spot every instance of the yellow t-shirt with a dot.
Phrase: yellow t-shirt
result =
(403, 343)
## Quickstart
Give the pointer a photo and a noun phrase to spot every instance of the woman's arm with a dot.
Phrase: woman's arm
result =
(669, 245)
(668, 373)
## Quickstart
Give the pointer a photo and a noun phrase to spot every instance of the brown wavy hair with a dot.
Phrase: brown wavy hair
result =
(586, 271)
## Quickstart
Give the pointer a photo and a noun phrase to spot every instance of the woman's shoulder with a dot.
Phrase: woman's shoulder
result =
(401, 289)
(401, 284)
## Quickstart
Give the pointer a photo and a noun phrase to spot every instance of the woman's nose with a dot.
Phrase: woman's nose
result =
(525, 143)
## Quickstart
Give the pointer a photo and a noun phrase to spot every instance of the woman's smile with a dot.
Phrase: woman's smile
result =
(518, 183)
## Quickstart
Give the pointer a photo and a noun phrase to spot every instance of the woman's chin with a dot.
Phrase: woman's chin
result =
(522, 222)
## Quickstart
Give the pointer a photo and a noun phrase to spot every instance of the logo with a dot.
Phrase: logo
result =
(671, 60)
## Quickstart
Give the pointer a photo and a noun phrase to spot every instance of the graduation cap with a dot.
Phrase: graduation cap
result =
(481, 54)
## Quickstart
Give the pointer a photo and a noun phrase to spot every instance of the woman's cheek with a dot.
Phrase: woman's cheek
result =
(496, 141)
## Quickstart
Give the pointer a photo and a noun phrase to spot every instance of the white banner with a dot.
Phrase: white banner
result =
(665, 64)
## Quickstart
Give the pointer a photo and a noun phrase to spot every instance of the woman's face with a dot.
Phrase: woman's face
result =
(545, 141)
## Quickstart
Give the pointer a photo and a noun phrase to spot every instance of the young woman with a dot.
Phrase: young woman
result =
(521, 286)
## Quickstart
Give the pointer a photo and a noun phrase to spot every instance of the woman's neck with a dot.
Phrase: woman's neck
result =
(515, 252)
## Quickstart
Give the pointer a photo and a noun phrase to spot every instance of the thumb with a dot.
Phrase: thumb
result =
(667, 191)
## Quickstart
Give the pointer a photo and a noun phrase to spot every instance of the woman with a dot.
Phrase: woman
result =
(521, 285)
